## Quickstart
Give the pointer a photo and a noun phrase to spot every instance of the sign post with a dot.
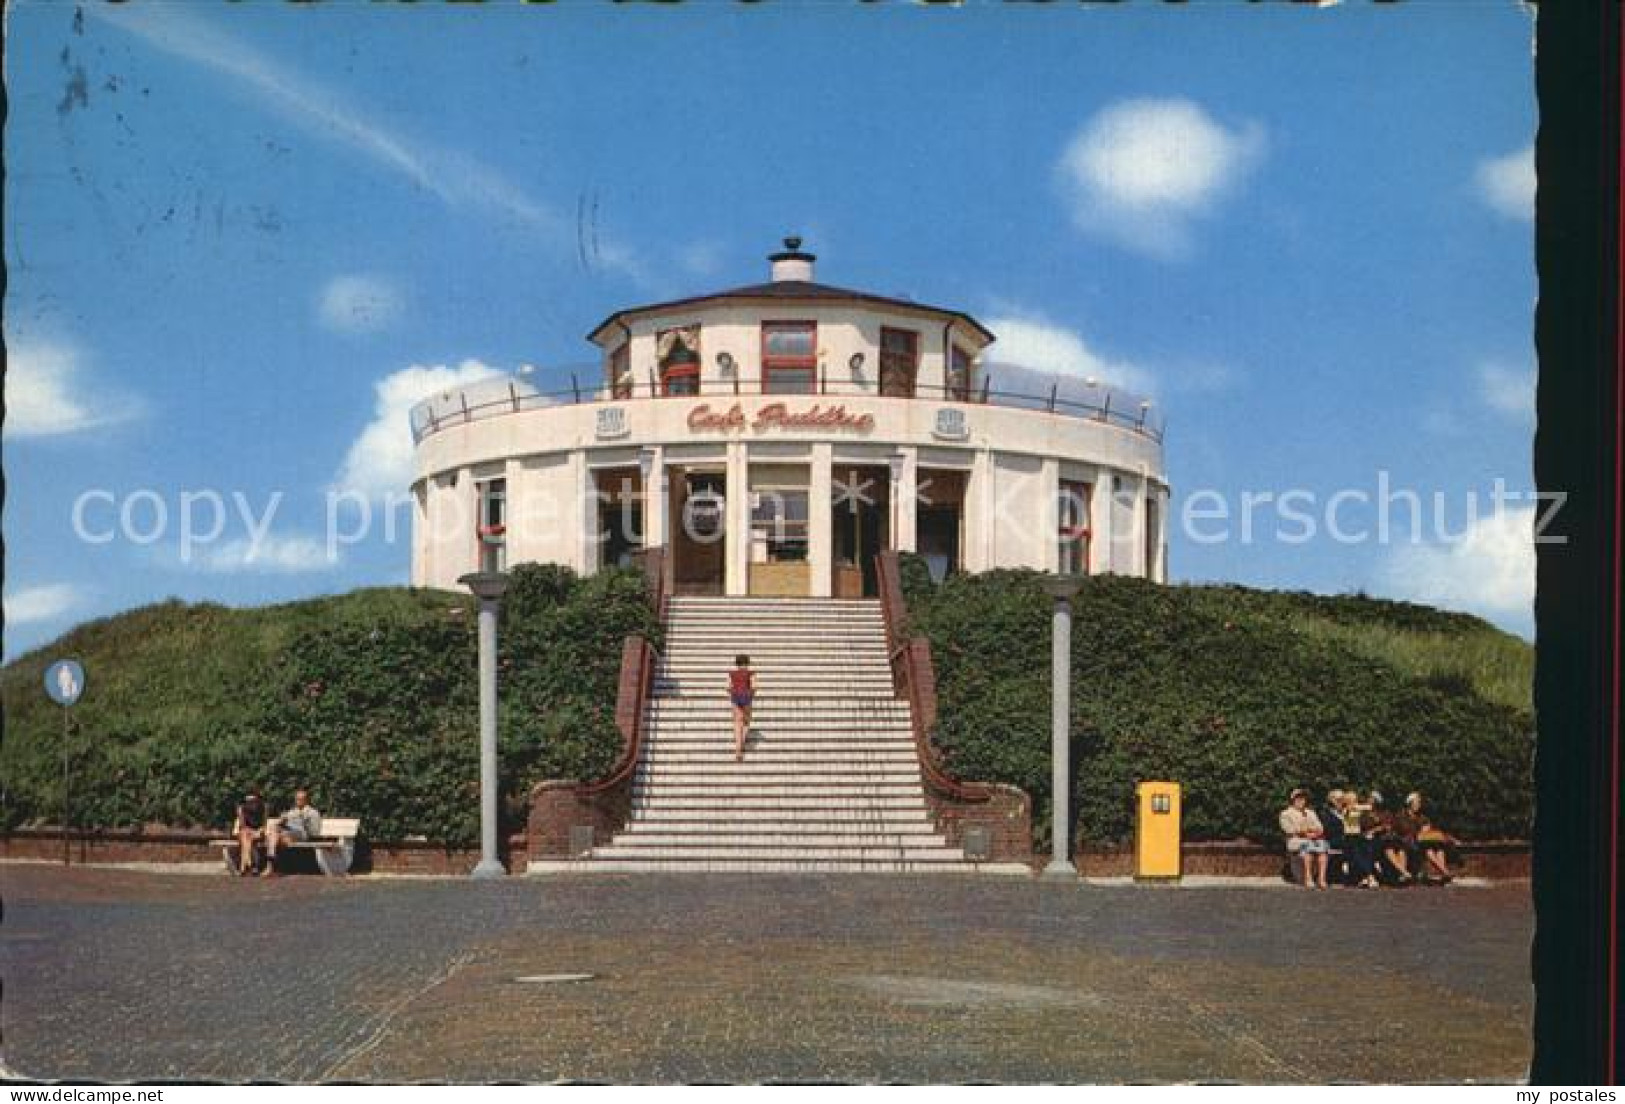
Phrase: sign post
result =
(65, 684)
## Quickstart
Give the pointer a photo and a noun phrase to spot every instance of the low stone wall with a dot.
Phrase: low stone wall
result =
(1497, 860)
(405, 857)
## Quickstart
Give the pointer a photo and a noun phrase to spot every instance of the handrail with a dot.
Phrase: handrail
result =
(638, 658)
(638, 661)
(510, 402)
(914, 676)
(653, 561)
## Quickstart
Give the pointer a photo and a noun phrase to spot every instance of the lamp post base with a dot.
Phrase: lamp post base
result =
(488, 868)
(1059, 870)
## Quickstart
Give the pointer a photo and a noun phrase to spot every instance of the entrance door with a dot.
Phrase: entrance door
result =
(699, 524)
(860, 514)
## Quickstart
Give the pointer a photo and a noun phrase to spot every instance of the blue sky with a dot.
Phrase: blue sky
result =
(238, 238)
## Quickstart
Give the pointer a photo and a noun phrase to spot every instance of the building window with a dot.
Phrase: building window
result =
(778, 523)
(1074, 530)
(679, 355)
(899, 362)
(789, 358)
(492, 532)
(620, 371)
(1152, 544)
(959, 375)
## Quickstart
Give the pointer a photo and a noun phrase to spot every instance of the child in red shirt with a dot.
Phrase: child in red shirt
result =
(741, 690)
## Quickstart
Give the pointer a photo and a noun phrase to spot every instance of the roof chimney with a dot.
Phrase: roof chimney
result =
(792, 264)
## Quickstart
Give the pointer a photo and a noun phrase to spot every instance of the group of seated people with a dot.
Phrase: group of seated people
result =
(1371, 845)
(256, 830)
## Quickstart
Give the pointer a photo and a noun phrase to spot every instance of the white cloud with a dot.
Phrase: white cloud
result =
(358, 304)
(1032, 341)
(1507, 390)
(270, 555)
(45, 398)
(1489, 569)
(379, 462)
(461, 181)
(1141, 170)
(1507, 184)
(33, 605)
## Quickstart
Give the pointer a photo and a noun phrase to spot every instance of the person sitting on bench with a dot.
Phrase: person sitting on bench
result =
(250, 832)
(1305, 839)
(300, 824)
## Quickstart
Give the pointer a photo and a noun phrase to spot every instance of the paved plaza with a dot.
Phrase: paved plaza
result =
(124, 975)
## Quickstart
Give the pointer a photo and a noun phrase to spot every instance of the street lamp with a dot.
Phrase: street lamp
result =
(1062, 588)
(488, 587)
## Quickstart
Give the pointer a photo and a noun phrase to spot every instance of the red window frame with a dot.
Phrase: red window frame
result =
(888, 366)
(684, 371)
(1079, 536)
(798, 364)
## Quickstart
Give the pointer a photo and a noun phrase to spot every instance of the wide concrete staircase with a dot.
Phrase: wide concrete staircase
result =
(830, 781)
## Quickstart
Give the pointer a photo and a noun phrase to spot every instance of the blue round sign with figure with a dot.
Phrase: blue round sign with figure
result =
(65, 681)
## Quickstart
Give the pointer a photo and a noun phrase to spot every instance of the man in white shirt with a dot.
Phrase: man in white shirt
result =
(298, 825)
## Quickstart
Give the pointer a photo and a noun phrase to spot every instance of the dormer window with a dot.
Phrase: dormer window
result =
(679, 354)
(899, 362)
(789, 358)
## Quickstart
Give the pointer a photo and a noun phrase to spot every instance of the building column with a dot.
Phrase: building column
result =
(467, 498)
(1163, 500)
(584, 555)
(1049, 515)
(736, 572)
(980, 503)
(422, 546)
(820, 522)
(905, 511)
(656, 501)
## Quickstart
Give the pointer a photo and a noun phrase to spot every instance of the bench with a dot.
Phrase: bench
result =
(334, 848)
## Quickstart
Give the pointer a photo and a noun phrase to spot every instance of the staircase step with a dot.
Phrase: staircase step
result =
(808, 797)
(774, 822)
(723, 866)
(720, 755)
(799, 802)
(750, 835)
(760, 852)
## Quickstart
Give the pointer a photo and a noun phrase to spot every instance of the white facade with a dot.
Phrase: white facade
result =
(784, 474)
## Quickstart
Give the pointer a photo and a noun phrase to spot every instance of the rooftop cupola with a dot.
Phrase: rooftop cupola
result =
(792, 263)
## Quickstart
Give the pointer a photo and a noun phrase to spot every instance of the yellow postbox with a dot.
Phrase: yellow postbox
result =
(1156, 831)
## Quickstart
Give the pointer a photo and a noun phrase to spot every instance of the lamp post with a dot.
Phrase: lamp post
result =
(1062, 588)
(488, 587)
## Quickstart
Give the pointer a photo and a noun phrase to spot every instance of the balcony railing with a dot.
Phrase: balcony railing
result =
(496, 397)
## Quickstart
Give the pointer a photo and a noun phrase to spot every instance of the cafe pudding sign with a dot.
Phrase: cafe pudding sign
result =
(778, 416)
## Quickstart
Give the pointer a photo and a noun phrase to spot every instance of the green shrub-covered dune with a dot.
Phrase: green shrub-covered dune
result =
(370, 698)
(1237, 694)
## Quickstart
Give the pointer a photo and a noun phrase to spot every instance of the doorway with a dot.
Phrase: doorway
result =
(860, 516)
(699, 531)
(620, 516)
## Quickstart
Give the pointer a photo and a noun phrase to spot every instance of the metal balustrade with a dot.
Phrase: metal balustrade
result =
(491, 399)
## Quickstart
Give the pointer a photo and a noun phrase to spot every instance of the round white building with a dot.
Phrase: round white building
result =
(773, 438)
